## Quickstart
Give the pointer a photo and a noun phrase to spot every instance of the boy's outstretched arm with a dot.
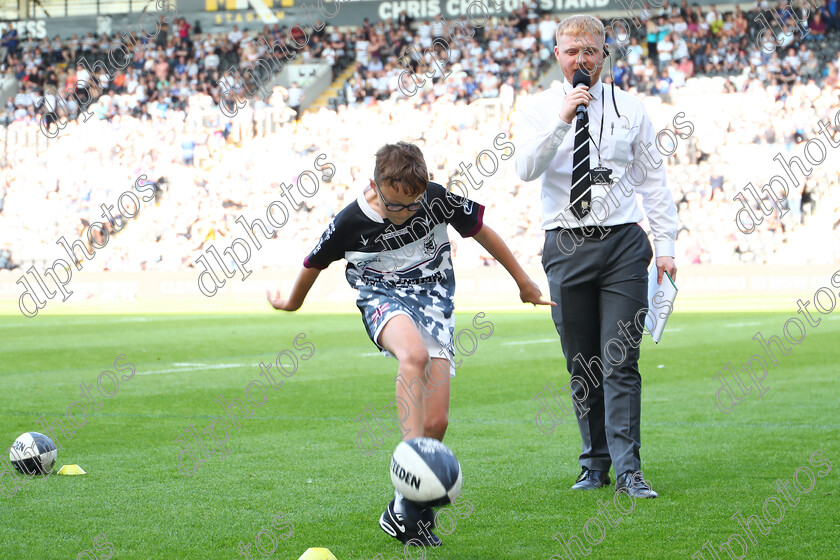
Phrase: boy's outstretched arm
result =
(529, 292)
(304, 282)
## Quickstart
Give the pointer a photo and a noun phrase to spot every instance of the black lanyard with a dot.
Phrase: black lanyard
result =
(601, 136)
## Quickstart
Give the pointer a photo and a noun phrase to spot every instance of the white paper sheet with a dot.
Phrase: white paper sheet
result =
(660, 303)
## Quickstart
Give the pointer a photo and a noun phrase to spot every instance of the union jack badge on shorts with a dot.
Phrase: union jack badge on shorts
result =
(377, 315)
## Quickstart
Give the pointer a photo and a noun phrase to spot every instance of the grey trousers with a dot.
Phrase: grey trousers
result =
(600, 288)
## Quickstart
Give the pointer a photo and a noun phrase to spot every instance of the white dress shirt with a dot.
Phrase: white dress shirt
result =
(544, 150)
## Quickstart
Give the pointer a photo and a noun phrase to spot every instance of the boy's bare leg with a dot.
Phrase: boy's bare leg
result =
(436, 405)
(424, 388)
(402, 339)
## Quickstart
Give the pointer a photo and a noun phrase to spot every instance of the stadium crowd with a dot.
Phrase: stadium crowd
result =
(160, 118)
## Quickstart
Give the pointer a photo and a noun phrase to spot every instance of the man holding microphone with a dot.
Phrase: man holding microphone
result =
(596, 255)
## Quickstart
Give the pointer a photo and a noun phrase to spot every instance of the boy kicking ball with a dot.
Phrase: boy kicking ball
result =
(394, 239)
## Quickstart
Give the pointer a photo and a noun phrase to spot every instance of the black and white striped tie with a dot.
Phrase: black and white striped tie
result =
(581, 196)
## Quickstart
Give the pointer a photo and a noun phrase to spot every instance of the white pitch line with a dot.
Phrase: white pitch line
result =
(747, 324)
(183, 369)
(539, 341)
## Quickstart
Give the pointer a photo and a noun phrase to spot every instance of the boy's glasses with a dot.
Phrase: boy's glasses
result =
(392, 207)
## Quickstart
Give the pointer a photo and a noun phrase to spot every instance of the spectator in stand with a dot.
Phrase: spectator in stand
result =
(652, 39)
(686, 66)
(676, 75)
(403, 20)
(788, 73)
(546, 31)
(680, 47)
(741, 24)
(634, 52)
(235, 35)
(679, 25)
(817, 28)
(438, 27)
(792, 59)
(367, 29)
(162, 37)
(184, 32)
(832, 80)
(665, 50)
(620, 74)
(712, 15)
(295, 99)
(663, 86)
(831, 15)
(9, 41)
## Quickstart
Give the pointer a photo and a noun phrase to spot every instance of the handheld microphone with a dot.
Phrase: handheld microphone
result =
(580, 77)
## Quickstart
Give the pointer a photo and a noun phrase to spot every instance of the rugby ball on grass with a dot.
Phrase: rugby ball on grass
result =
(33, 453)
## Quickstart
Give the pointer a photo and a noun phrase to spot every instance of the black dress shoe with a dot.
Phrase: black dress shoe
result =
(634, 485)
(591, 480)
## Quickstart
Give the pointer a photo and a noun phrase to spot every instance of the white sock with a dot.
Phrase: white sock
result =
(398, 503)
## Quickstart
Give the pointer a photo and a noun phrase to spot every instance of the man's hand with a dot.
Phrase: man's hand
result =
(572, 100)
(666, 264)
(530, 293)
(277, 302)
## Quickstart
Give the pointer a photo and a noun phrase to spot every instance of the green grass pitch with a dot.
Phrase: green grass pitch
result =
(297, 455)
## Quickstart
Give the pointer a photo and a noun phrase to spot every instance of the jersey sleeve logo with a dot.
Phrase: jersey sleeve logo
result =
(458, 200)
(327, 234)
